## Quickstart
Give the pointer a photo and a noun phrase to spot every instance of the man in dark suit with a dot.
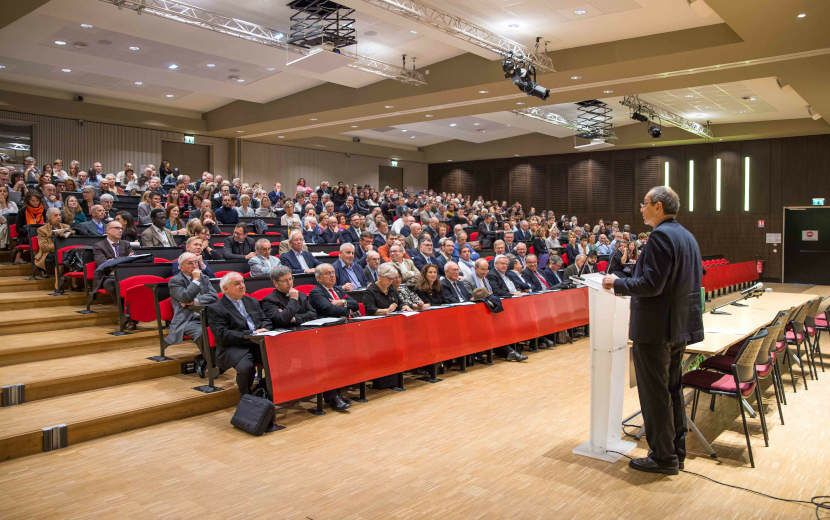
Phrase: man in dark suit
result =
(487, 231)
(331, 232)
(502, 283)
(327, 299)
(96, 225)
(533, 277)
(576, 268)
(286, 307)
(453, 290)
(352, 234)
(238, 246)
(553, 272)
(523, 234)
(232, 318)
(446, 249)
(363, 247)
(370, 271)
(298, 260)
(665, 316)
(191, 285)
(348, 273)
(110, 247)
(424, 254)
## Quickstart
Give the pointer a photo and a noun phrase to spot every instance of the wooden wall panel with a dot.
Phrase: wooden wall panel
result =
(520, 183)
(784, 172)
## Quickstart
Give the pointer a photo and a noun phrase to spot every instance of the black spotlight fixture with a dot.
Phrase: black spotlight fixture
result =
(524, 77)
(655, 131)
(639, 117)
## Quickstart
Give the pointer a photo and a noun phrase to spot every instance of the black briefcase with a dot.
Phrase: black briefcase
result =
(254, 415)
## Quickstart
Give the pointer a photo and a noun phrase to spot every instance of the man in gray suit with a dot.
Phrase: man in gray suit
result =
(188, 287)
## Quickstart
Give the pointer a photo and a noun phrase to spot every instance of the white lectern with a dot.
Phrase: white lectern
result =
(608, 318)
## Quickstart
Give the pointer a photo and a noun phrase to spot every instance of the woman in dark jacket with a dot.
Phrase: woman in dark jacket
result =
(428, 286)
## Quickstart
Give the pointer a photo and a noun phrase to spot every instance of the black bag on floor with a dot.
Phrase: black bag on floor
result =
(254, 415)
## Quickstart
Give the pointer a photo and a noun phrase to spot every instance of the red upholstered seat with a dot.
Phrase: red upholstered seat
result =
(821, 322)
(166, 309)
(305, 288)
(246, 275)
(138, 299)
(780, 346)
(334, 253)
(715, 381)
(261, 293)
(791, 336)
(158, 260)
(724, 364)
(811, 331)
(473, 236)
(602, 265)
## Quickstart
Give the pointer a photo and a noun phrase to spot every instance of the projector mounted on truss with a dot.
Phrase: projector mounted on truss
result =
(338, 32)
(645, 112)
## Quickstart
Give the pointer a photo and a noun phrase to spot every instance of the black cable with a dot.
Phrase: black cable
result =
(819, 501)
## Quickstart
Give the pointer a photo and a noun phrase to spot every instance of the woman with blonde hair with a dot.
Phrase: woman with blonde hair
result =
(72, 212)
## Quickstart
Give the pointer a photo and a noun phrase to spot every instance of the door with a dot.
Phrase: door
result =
(390, 176)
(190, 159)
(807, 245)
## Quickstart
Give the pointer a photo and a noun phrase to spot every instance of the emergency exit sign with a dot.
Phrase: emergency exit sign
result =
(190, 139)
(818, 201)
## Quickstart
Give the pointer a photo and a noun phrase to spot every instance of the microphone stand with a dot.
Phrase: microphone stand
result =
(736, 302)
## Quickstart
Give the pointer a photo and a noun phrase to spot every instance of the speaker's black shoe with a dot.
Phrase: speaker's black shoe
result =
(650, 465)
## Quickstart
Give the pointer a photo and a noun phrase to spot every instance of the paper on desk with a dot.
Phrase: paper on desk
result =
(319, 253)
(362, 318)
(276, 332)
(319, 322)
(405, 313)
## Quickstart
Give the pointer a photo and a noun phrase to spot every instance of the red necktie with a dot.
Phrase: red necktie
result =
(333, 294)
(542, 279)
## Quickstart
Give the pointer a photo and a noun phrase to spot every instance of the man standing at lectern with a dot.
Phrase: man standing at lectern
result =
(665, 316)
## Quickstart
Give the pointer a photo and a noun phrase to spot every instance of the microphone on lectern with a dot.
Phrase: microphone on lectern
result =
(757, 287)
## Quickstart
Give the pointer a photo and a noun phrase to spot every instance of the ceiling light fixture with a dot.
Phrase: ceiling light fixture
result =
(210, 65)
(453, 125)
(653, 112)
(280, 137)
(172, 66)
(476, 124)
(520, 102)
(134, 48)
(412, 136)
(689, 96)
(138, 83)
(240, 131)
(66, 70)
(428, 115)
(270, 69)
(609, 91)
(483, 91)
(404, 131)
(801, 15)
(312, 119)
(169, 95)
(59, 43)
(523, 75)
(449, 160)
(388, 106)
(240, 80)
(413, 31)
(86, 26)
(513, 26)
(576, 78)
(2, 67)
(355, 126)
(580, 12)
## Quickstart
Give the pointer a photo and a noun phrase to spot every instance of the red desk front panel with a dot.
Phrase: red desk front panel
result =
(307, 362)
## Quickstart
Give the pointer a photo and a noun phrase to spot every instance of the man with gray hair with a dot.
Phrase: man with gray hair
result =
(96, 226)
(298, 260)
(189, 287)
(349, 274)
(286, 307)
(263, 262)
(231, 319)
(326, 298)
(370, 272)
(665, 317)
(106, 200)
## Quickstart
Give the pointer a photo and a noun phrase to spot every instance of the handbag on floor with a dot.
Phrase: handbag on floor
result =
(254, 415)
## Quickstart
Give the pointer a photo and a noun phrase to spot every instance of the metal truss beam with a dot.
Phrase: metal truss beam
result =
(191, 15)
(552, 118)
(661, 115)
(469, 32)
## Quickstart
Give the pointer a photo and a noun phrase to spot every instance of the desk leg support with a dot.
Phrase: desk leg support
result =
(462, 361)
(362, 398)
(318, 410)
(400, 387)
(433, 374)
(490, 357)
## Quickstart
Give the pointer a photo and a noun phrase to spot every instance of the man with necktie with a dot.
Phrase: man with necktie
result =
(453, 290)
(533, 277)
(553, 273)
(370, 272)
(233, 317)
(482, 267)
(326, 298)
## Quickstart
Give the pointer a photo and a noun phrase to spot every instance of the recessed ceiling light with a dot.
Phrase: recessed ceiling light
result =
(404, 130)
(515, 155)
(520, 102)
(388, 106)
(513, 25)
(609, 91)
(169, 95)
(240, 80)
(280, 137)
(801, 15)
(689, 96)
(751, 98)
(428, 115)
(210, 65)
(138, 83)
(449, 160)
(413, 31)
(355, 126)
(476, 124)
(66, 70)
(240, 131)
(86, 26)
(576, 77)
(270, 69)
(412, 136)
(2, 67)
(453, 124)
(580, 12)
(312, 119)
(172, 66)
(59, 42)
(134, 48)
(483, 91)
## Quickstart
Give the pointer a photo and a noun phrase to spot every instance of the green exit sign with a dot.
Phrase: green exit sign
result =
(393, 164)
(818, 201)
(190, 139)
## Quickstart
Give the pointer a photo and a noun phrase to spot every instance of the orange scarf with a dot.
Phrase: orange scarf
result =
(34, 215)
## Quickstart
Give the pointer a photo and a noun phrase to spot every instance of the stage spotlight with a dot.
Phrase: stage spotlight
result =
(655, 131)
(639, 117)
(524, 77)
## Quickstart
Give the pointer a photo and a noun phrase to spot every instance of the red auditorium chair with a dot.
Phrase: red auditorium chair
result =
(19, 248)
(740, 383)
(86, 275)
(157, 260)
(602, 265)
(473, 236)
(261, 293)
(305, 288)
(334, 253)
(138, 299)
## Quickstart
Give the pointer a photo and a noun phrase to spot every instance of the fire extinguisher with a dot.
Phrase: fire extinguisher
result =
(759, 266)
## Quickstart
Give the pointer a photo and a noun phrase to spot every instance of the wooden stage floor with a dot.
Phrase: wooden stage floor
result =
(493, 443)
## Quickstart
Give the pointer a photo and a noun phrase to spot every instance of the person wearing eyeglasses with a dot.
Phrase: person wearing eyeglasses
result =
(665, 317)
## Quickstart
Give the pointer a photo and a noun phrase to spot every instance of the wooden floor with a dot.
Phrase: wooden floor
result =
(492, 443)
